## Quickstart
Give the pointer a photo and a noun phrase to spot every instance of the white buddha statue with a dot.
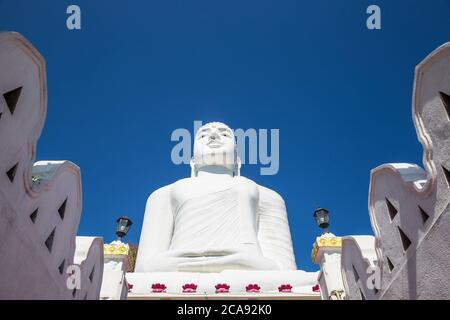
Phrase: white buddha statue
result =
(215, 220)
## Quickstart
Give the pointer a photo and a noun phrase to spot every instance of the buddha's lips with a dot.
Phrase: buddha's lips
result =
(285, 288)
(316, 288)
(214, 144)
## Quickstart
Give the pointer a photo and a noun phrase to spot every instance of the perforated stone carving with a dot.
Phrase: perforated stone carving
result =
(409, 207)
(40, 203)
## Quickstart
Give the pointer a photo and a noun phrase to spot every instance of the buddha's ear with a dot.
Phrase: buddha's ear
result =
(193, 170)
(237, 167)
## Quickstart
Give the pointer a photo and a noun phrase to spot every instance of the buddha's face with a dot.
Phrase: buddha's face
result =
(215, 145)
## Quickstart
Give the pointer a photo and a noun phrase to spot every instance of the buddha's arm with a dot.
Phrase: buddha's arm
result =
(156, 231)
(274, 235)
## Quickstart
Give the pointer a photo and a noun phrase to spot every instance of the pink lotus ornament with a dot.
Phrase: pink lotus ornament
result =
(316, 288)
(252, 288)
(222, 288)
(285, 288)
(158, 288)
(189, 288)
(130, 287)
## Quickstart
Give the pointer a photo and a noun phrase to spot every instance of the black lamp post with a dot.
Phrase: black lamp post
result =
(123, 225)
(322, 217)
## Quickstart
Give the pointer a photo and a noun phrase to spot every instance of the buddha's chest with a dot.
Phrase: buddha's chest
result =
(239, 193)
(215, 212)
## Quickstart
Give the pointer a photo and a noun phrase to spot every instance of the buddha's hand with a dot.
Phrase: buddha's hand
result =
(219, 260)
(170, 260)
(200, 253)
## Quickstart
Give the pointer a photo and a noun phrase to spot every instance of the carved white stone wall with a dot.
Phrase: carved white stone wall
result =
(40, 203)
(359, 261)
(89, 256)
(409, 207)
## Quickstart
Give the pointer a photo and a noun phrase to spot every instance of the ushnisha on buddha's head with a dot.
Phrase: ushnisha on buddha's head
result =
(215, 145)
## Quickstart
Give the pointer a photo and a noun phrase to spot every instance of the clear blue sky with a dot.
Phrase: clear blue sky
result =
(339, 93)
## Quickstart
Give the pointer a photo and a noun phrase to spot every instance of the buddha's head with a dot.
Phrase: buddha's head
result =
(215, 145)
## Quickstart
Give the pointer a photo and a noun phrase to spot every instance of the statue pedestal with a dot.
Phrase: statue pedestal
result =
(327, 253)
(233, 284)
(114, 285)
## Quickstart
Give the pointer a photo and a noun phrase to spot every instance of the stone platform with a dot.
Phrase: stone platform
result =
(229, 284)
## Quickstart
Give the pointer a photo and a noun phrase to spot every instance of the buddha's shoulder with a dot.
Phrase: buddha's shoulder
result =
(167, 189)
(162, 192)
(270, 195)
(246, 181)
(185, 182)
(265, 194)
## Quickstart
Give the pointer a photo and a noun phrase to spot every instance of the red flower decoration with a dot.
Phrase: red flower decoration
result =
(254, 288)
(130, 287)
(316, 288)
(189, 288)
(222, 288)
(285, 288)
(158, 287)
